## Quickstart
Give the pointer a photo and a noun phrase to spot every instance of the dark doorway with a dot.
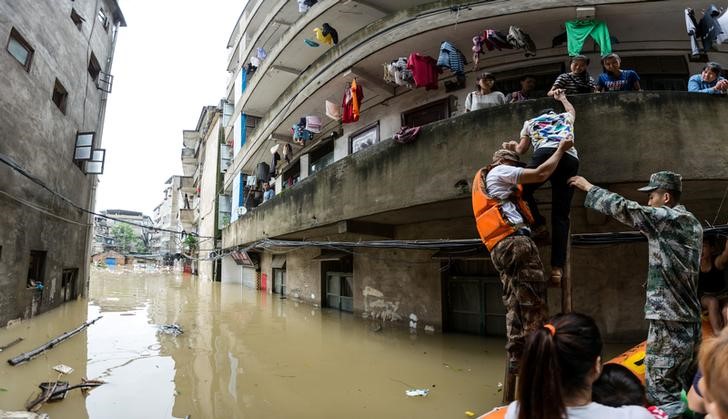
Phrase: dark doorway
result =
(473, 298)
(68, 284)
(337, 280)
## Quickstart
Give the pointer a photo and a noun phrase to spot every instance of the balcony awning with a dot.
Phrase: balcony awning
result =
(279, 262)
(329, 256)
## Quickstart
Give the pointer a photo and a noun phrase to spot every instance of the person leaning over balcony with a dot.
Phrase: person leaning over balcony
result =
(614, 78)
(502, 219)
(545, 132)
(577, 81)
(672, 308)
(268, 192)
(484, 96)
(709, 80)
(528, 83)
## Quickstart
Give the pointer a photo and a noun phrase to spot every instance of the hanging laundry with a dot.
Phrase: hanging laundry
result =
(723, 22)
(406, 135)
(578, 30)
(261, 53)
(353, 97)
(397, 72)
(333, 111)
(324, 39)
(250, 68)
(709, 28)
(451, 57)
(302, 8)
(304, 5)
(424, 70)
(491, 39)
(311, 43)
(521, 40)
(255, 62)
(287, 153)
(327, 30)
(691, 26)
(313, 124)
(301, 134)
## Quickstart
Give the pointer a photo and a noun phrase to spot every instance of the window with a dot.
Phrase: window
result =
(35, 268)
(93, 67)
(321, 157)
(101, 16)
(20, 49)
(77, 19)
(426, 114)
(364, 138)
(60, 96)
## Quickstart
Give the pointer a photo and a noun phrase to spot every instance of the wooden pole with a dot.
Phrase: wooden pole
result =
(567, 305)
(509, 383)
(27, 356)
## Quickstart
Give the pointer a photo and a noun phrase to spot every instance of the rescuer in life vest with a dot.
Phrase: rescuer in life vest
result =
(502, 218)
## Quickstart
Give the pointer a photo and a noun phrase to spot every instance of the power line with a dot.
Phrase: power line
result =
(7, 160)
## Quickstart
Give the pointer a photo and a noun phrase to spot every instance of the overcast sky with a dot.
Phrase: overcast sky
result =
(170, 61)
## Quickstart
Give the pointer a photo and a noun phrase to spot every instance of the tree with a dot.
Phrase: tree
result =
(124, 237)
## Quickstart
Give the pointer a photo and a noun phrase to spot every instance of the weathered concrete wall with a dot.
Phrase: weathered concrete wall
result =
(392, 285)
(41, 138)
(208, 197)
(620, 138)
(303, 275)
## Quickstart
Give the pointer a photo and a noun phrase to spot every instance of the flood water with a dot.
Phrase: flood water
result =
(243, 354)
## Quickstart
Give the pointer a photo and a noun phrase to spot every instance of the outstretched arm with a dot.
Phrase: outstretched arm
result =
(621, 209)
(561, 97)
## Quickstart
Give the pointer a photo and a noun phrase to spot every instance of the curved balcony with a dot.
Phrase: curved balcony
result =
(423, 28)
(621, 138)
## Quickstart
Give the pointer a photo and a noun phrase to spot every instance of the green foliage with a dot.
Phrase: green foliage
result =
(124, 237)
(190, 243)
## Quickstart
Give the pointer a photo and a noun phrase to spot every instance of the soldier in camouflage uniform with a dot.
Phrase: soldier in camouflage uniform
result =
(516, 256)
(672, 308)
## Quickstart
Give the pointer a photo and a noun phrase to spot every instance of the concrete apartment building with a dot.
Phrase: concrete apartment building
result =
(205, 157)
(139, 223)
(352, 183)
(167, 216)
(55, 75)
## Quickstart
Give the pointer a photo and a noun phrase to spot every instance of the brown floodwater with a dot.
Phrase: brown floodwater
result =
(243, 354)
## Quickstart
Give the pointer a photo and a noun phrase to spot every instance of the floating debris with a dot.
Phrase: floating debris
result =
(63, 369)
(171, 329)
(417, 392)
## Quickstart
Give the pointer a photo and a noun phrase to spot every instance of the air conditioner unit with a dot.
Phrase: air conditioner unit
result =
(586, 13)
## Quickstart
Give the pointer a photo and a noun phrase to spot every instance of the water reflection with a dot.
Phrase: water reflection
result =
(244, 354)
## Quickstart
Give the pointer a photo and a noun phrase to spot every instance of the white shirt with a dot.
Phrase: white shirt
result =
(499, 184)
(475, 100)
(594, 410)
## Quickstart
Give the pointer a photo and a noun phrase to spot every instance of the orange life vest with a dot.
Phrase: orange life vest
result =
(489, 217)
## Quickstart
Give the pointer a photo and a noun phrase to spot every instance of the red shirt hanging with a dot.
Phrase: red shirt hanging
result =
(351, 103)
(424, 70)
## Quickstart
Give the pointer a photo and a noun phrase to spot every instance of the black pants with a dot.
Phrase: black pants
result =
(561, 194)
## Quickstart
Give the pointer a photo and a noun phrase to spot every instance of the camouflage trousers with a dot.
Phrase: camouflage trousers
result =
(524, 288)
(670, 363)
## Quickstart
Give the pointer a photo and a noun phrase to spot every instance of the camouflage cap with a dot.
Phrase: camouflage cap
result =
(509, 155)
(664, 180)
